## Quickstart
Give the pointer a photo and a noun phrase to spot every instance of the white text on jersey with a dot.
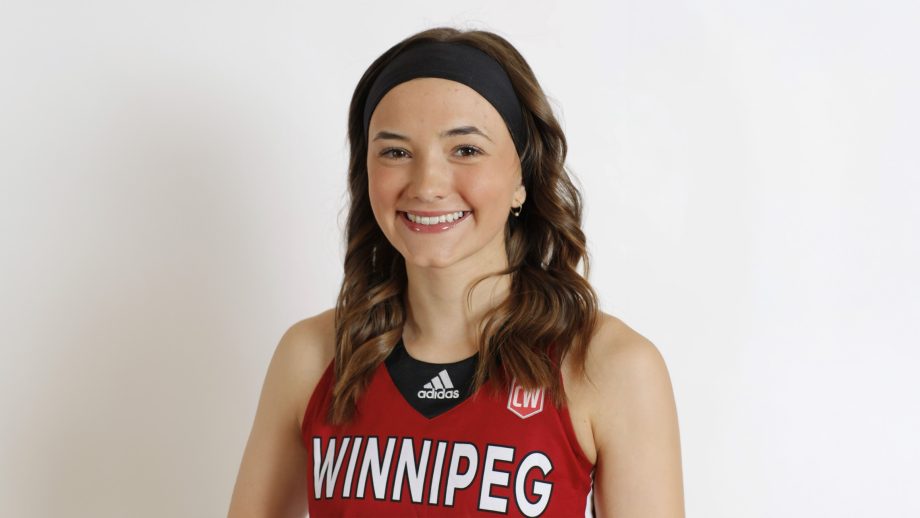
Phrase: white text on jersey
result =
(463, 469)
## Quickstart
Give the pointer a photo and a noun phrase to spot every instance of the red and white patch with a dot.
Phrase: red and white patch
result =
(525, 403)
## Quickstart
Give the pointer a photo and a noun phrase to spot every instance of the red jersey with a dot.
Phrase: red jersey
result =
(496, 452)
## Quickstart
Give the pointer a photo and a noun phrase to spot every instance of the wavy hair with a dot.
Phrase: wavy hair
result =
(550, 310)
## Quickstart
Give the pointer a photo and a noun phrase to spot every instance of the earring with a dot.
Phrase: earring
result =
(517, 212)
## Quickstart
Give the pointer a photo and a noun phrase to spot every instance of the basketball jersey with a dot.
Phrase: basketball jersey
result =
(509, 452)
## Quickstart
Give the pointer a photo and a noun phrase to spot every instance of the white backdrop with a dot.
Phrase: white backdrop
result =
(172, 195)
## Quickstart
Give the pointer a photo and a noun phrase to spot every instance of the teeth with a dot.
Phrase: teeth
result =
(432, 220)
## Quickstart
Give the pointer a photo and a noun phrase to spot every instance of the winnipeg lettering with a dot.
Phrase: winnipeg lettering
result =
(344, 465)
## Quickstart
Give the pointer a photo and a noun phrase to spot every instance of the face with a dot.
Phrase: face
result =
(437, 148)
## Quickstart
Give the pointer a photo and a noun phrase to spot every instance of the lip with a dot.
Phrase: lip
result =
(429, 213)
(429, 229)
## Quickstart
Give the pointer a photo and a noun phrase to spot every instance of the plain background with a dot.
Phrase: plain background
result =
(172, 201)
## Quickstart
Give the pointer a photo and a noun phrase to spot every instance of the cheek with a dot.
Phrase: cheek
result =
(379, 190)
(377, 201)
(489, 194)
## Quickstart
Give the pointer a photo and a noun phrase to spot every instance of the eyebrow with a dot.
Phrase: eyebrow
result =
(462, 130)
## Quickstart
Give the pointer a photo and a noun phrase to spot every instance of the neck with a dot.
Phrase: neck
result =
(441, 325)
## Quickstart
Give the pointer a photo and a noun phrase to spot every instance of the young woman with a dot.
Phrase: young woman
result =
(466, 368)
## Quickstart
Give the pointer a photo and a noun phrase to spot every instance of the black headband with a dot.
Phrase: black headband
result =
(457, 62)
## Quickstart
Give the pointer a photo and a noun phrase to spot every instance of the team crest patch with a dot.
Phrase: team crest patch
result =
(525, 403)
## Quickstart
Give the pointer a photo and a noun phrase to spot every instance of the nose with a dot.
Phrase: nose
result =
(430, 179)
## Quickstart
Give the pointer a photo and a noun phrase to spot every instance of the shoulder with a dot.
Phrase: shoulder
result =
(618, 353)
(619, 362)
(275, 459)
(304, 351)
(633, 423)
(311, 339)
(626, 371)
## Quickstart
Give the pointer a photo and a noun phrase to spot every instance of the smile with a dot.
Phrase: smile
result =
(433, 223)
(433, 220)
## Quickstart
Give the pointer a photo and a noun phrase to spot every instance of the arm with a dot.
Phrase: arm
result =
(638, 472)
(272, 476)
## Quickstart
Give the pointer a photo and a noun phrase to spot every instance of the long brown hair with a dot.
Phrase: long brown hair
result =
(551, 309)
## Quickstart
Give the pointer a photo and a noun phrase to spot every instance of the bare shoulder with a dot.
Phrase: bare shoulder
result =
(627, 372)
(617, 352)
(634, 424)
(311, 340)
(307, 347)
(274, 462)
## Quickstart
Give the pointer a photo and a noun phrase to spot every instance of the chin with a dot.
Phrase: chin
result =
(427, 261)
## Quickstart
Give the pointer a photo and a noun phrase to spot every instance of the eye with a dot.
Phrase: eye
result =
(389, 153)
(468, 151)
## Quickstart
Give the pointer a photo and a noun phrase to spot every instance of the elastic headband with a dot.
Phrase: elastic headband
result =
(457, 62)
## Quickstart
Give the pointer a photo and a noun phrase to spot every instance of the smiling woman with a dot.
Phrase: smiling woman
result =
(466, 367)
(440, 172)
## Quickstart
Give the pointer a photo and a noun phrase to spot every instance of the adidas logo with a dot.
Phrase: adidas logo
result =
(440, 387)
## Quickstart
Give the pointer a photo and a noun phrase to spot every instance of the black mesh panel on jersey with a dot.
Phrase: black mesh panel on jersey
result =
(430, 388)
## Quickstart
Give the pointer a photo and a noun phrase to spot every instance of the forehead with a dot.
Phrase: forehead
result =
(434, 101)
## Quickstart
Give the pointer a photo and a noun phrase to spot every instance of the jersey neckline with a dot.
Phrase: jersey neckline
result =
(415, 411)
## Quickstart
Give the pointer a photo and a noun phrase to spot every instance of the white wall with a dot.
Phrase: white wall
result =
(173, 175)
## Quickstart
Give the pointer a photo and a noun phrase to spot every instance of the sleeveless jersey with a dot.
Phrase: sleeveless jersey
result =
(496, 452)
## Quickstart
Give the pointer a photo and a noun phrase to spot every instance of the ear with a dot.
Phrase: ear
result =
(520, 194)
